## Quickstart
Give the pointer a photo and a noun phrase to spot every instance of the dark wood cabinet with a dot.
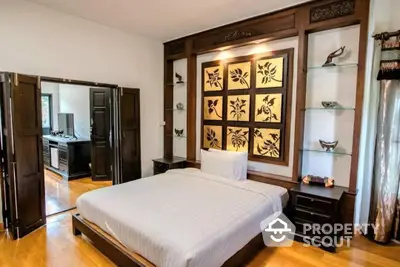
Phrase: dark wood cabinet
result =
(71, 159)
(316, 206)
(162, 165)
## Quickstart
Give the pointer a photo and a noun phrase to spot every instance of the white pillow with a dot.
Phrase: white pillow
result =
(241, 159)
(227, 165)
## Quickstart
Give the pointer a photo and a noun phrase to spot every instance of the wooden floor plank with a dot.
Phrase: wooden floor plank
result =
(55, 245)
(61, 195)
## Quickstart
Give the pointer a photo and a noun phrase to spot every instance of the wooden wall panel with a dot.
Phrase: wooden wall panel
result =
(363, 8)
(298, 21)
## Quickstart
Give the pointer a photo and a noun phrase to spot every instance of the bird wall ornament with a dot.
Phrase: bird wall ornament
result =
(179, 132)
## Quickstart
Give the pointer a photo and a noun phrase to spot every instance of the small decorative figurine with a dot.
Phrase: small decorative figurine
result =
(179, 132)
(332, 55)
(179, 106)
(328, 146)
(179, 77)
(329, 104)
(317, 180)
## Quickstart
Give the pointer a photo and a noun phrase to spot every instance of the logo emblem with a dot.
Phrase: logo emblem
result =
(278, 230)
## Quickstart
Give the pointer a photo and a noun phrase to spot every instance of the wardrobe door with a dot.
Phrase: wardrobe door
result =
(22, 109)
(130, 135)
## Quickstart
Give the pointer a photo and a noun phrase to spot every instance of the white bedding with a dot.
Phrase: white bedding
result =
(183, 218)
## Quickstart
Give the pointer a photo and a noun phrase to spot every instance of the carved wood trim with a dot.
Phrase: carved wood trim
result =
(250, 30)
(333, 10)
(175, 48)
(237, 35)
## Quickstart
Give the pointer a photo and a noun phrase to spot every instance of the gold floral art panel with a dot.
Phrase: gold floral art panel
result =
(268, 108)
(237, 139)
(213, 108)
(214, 78)
(239, 75)
(269, 73)
(238, 108)
(212, 136)
(267, 142)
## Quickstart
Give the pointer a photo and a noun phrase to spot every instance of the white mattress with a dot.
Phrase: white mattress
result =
(183, 218)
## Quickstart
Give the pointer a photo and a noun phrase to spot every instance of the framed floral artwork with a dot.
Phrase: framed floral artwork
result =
(238, 108)
(267, 142)
(214, 78)
(239, 75)
(268, 108)
(269, 72)
(212, 136)
(237, 139)
(213, 108)
(246, 103)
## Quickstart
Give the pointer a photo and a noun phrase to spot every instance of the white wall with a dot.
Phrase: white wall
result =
(384, 16)
(53, 89)
(249, 50)
(37, 40)
(76, 99)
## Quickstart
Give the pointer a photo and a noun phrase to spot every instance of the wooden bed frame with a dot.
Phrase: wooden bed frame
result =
(120, 255)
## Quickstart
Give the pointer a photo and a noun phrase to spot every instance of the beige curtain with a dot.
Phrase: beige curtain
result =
(385, 205)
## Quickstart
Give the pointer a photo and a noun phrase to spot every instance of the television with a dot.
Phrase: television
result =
(66, 123)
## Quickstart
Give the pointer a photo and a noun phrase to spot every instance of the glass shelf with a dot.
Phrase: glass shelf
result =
(326, 152)
(175, 109)
(176, 136)
(174, 84)
(322, 108)
(344, 65)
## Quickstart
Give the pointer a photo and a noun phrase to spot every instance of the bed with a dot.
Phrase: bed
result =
(183, 218)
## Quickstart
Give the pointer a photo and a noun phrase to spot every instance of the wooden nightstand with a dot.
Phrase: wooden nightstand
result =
(316, 205)
(162, 165)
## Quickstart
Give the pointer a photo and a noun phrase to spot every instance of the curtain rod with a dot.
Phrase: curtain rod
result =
(386, 35)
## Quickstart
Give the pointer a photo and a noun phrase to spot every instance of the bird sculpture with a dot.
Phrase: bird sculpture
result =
(332, 55)
(179, 77)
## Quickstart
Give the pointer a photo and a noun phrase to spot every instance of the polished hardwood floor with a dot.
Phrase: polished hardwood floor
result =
(55, 245)
(61, 195)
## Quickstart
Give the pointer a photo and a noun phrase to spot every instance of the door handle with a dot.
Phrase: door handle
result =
(92, 132)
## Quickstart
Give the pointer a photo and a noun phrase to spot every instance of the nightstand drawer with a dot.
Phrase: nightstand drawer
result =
(311, 230)
(310, 216)
(160, 167)
(315, 204)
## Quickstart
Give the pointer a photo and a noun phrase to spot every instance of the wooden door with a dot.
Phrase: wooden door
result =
(4, 178)
(22, 108)
(100, 110)
(130, 135)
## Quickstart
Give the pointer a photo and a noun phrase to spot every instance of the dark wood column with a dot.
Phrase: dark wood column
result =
(191, 101)
(301, 92)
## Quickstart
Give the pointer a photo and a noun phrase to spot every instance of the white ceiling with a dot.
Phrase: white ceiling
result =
(165, 19)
